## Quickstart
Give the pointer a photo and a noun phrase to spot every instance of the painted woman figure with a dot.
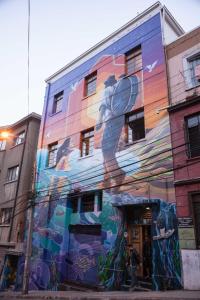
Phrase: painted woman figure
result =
(117, 99)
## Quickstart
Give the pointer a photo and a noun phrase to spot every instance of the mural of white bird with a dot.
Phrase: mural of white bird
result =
(74, 86)
(152, 66)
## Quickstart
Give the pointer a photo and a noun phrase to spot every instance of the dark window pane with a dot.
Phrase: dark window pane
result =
(196, 210)
(193, 128)
(135, 126)
(87, 202)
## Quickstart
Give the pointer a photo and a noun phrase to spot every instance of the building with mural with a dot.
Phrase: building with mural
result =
(17, 159)
(184, 83)
(104, 166)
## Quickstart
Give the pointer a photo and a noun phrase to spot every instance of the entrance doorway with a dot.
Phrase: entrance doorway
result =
(139, 223)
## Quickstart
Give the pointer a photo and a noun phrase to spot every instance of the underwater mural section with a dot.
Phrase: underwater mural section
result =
(88, 197)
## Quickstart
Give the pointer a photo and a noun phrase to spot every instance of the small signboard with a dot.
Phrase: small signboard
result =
(185, 222)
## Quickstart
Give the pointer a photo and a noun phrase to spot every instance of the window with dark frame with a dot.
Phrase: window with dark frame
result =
(87, 142)
(87, 202)
(90, 84)
(196, 215)
(52, 154)
(12, 174)
(133, 60)
(19, 139)
(193, 135)
(2, 145)
(57, 104)
(5, 216)
(135, 126)
(74, 203)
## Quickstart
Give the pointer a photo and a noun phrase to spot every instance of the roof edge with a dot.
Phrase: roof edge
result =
(32, 115)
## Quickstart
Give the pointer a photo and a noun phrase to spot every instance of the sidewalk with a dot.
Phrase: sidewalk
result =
(73, 295)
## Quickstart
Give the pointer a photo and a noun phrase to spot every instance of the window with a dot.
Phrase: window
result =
(85, 229)
(13, 173)
(19, 139)
(196, 214)
(133, 60)
(87, 142)
(193, 134)
(90, 84)
(57, 105)
(86, 202)
(2, 145)
(5, 216)
(194, 69)
(74, 203)
(135, 126)
(52, 154)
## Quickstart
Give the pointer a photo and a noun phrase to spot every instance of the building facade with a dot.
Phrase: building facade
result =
(184, 83)
(104, 166)
(17, 156)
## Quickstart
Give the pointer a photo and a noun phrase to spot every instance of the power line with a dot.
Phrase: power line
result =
(126, 183)
(156, 155)
(125, 154)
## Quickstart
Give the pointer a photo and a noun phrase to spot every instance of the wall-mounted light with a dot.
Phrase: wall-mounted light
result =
(162, 108)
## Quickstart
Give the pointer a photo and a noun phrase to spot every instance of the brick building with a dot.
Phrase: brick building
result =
(184, 88)
(17, 158)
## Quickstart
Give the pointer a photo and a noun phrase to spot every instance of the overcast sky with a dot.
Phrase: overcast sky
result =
(60, 31)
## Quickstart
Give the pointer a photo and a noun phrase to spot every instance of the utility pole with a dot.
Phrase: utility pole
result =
(29, 244)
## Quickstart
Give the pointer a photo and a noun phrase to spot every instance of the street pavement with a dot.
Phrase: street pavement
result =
(74, 295)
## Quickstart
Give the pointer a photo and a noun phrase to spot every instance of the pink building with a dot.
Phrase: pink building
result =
(184, 110)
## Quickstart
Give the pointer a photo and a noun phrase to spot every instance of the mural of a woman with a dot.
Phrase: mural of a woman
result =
(117, 99)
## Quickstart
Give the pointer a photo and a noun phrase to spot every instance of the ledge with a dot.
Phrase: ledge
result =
(188, 102)
(187, 181)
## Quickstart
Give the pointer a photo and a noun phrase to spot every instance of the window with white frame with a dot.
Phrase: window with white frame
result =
(192, 70)
(194, 66)
(12, 173)
(52, 154)
(87, 142)
(5, 216)
(135, 126)
(193, 135)
(57, 105)
(19, 139)
(2, 145)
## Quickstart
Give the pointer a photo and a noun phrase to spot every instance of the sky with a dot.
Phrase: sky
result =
(60, 30)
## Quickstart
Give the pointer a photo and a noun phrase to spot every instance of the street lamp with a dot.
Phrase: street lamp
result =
(5, 134)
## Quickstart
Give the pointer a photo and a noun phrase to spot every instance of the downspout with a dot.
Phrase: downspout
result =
(18, 182)
(42, 127)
